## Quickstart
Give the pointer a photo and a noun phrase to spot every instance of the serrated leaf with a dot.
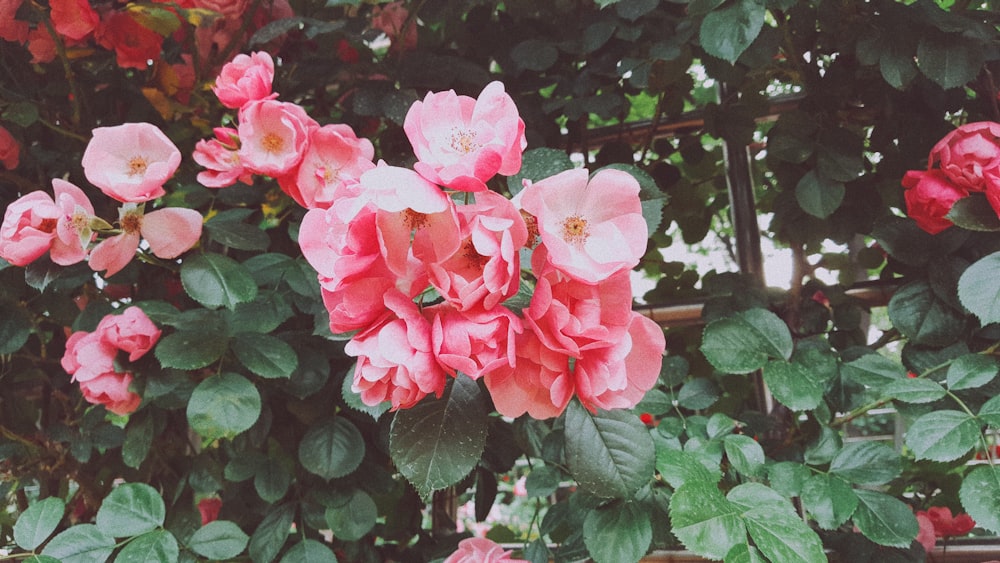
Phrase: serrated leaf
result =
(309, 551)
(265, 355)
(942, 435)
(746, 455)
(978, 290)
(990, 412)
(980, 496)
(972, 371)
(37, 523)
(678, 467)
(82, 543)
(727, 32)
(828, 499)
(271, 534)
(217, 281)
(745, 341)
(15, 328)
(866, 463)
(190, 349)
(780, 534)
(229, 231)
(354, 519)
(913, 390)
(439, 441)
(974, 212)
(223, 405)
(617, 532)
(873, 370)
(704, 520)
(219, 539)
(819, 196)
(885, 520)
(332, 449)
(948, 60)
(609, 453)
(271, 480)
(131, 509)
(788, 477)
(801, 383)
(923, 317)
(158, 546)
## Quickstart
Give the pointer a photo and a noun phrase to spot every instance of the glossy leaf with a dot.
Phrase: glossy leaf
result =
(746, 455)
(158, 546)
(885, 520)
(819, 196)
(309, 551)
(678, 467)
(332, 449)
(980, 496)
(775, 527)
(743, 342)
(131, 509)
(704, 520)
(82, 543)
(922, 316)
(873, 370)
(913, 390)
(617, 532)
(37, 523)
(223, 405)
(942, 435)
(219, 539)
(190, 349)
(609, 453)
(990, 412)
(978, 290)
(866, 463)
(217, 281)
(265, 355)
(829, 499)
(972, 371)
(726, 32)
(271, 534)
(354, 519)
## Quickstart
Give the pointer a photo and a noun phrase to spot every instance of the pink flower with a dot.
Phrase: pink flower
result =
(130, 162)
(131, 332)
(246, 78)
(221, 158)
(74, 19)
(12, 29)
(946, 525)
(273, 136)
(473, 342)
(486, 269)
(29, 225)
(335, 156)
(391, 19)
(925, 534)
(209, 508)
(591, 229)
(111, 390)
(929, 197)
(87, 356)
(618, 376)
(480, 550)
(42, 46)
(395, 357)
(968, 154)
(73, 231)
(461, 142)
(541, 385)
(356, 304)
(170, 232)
(10, 150)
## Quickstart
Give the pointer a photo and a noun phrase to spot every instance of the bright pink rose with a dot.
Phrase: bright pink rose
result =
(486, 269)
(221, 158)
(12, 29)
(335, 156)
(925, 535)
(134, 44)
(946, 525)
(461, 142)
(246, 78)
(73, 232)
(968, 154)
(209, 509)
(395, 357)
(10, 149)
(541, 385)
(111, 390)
(591, 228)
(273, 136)
(130, 162)
(342, 241)
(929, 196)
(617, 377)
(131, 332)
(473, 342)
(87, 356)
(170, 232)
(356, 304)
(29, 225)
(391, 19)
(74, 19)
(480, 550)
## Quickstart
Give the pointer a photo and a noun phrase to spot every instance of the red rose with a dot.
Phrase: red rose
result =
(134, 44)
(946, 525)
(209, 508)
(929, 197)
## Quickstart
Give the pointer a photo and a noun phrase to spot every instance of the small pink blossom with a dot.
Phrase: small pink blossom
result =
(132, 332)
(481, 550)
(10, 150)
(462, 142)
(28, 228)
(221, 158)
(130, 162)
(111, 390)
(618, 376)
(592, 228)
(87, 356)
(74, 19)
(336, 156)
(929, 197)
(170, 232)
(73, 231)
(391, 19)
(925, 533)
(473, 342)
(273, 136)
(246, 78)
(969, 154)
(541, 385)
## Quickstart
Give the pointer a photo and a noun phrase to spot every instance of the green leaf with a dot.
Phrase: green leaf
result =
(698, 393)
(542, 481)
(704, 520)
(220, 539)
(678, 467)
(913, 390)
(37, 523)
(439, 441)
(829, 499)
(819, 196)
(265, 355)
(788, 477)
(41, 559)
(138, 439)
(352, 520)
(227, 229)
(727, 32)
(271, 534)
(972, 371)
(873, 370)
(923, 317)
(948, 60)
(942, 435)
(775, 527)
(609, 453)
(534, 54)
(190, 349)
(21, 113)
(744, 553)
(980, 496)
(538, 164)
(839, 155)
(866, 463)
(159, 546)
(82, 543)
(746, 455)
(990, 412)
(15, 328)
(896, 64)
(617, 532)
(743, 342)
(131, 509)
(223, 405)
(217, 281)
(271, 480)
(801, 383)
(309, 551)
(885, 520)
(973, 212)
(978, 290)
(332, 449)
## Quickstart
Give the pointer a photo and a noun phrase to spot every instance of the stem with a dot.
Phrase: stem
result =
(67, 69)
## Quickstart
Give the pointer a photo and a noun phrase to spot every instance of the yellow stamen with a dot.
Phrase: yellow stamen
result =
(414, 219)
(464, 140)
(137, 166)
(575, 229)
(272, 143)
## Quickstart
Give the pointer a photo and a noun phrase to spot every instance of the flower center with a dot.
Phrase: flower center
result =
(137, 166)
(531, 222)
(131, 223)
(48, 225)
(272, 143)
(469, 252)
(79, 221)
(464, 140)
(575, 229)
(414, 219)
(328, 174)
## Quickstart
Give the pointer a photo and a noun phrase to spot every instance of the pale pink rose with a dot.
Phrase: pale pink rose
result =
(395, 357)
(481, 550)
(273, 136)
(170, 232)
(10, 150)
(132, 332)
(929, 197)
(246, 78)
(74, 19)
(335, 156)
(486, 269)
(12, 29)
(968, 154)
(541, 385)
(618, 376)
(391, 19)
(591, 228)
(73, 232)
(28, 228)
(87, 356)
(111, 390)
(473, 342)
(130, 162)
(221, 158)
(462, 142)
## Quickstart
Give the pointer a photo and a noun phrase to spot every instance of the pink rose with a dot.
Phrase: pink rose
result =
(592, 228)
(74, 19)
(10, 150)
(929, 196)
(130, 162)
(335, 156)
(29, 225)
(73, 232)
(541, 385)
(946, 525)
(618, 376)
(131, 332)
(462, 142)
(111, 390)
(273, 136)
(341, 242)
(12, 29)
(968, 154)
(170, 232)
(87, 356)
(356, 304)
(480, 550)
(391, 19)
(925, 535)
(221, 158)
(246, 78)
(473, 342)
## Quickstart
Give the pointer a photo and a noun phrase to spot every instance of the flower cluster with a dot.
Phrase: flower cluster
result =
(965, 161)
(381, 237)
(129, 163)
(938, 522)
(92, 358)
